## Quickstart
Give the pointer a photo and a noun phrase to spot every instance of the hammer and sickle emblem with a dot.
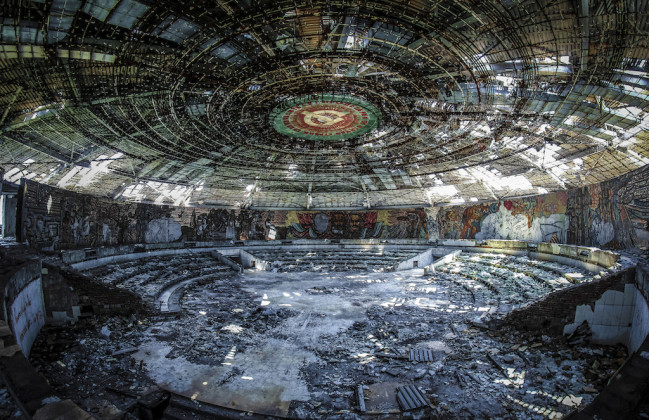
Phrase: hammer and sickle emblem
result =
(323, 117)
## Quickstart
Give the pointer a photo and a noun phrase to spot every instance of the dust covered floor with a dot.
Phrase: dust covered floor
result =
(301, 344)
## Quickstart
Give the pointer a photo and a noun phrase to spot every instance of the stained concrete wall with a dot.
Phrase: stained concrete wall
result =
(640, 326)
(68, 295)
(640, 323)
(422, 260)
(556, 310)
(446, 259)
(250, 261)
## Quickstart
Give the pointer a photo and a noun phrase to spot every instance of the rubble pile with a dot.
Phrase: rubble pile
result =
(341, 346)
(90, 363)
(8, 408)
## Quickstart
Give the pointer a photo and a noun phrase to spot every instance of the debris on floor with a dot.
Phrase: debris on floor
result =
(332, 344)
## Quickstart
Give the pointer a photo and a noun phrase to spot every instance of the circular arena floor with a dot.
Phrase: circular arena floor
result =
(304, 344)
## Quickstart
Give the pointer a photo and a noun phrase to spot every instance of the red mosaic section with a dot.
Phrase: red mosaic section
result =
(325, 118)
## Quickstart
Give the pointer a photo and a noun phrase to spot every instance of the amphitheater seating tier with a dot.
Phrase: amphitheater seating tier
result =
(345, 259)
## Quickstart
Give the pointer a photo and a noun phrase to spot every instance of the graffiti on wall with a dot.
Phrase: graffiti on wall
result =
(540, 219)
(27, 314)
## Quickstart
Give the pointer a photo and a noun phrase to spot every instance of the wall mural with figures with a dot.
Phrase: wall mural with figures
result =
(370, 224)
(540, 219)
(52, 219)
(612, 214)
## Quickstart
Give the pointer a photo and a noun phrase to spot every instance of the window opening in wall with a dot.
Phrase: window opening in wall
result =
(415, 264)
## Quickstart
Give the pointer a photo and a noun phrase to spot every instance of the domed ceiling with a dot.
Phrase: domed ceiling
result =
(322, 104)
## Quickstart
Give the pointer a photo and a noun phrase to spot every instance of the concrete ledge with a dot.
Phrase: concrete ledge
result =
(588, 255)
(250, 261)
(225, 260)
(593, 268)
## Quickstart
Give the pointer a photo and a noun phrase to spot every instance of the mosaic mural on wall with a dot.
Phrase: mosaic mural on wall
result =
(612, 214)
(53, 219)
(371, 224)
(541, 219)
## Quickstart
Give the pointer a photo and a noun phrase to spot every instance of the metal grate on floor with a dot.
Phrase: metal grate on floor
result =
(421, 355)
(409, 398)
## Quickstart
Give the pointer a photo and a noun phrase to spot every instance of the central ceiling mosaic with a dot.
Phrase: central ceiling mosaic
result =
(325, 117)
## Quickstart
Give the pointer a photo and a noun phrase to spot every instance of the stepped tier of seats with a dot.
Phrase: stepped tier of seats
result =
(160, 280)
(505, 279)
(344, 259)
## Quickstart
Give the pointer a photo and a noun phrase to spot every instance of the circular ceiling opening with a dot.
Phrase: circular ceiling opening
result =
(325, 117)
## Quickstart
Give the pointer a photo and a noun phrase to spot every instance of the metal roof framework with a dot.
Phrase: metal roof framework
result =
(169, 101)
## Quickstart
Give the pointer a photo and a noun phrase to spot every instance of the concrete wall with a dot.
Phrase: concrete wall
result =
(447, 258)
(22, 302)
(587, 258)
(225, 260)
(424, 259)
(248, 261)
(68, 295)
(558, 309)
(640, 322)
(609, 318)
(618, 316)
(640, 326)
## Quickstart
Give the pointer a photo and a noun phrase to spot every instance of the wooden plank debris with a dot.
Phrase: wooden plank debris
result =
(495, 363)
(361, 399)
(390, 356)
